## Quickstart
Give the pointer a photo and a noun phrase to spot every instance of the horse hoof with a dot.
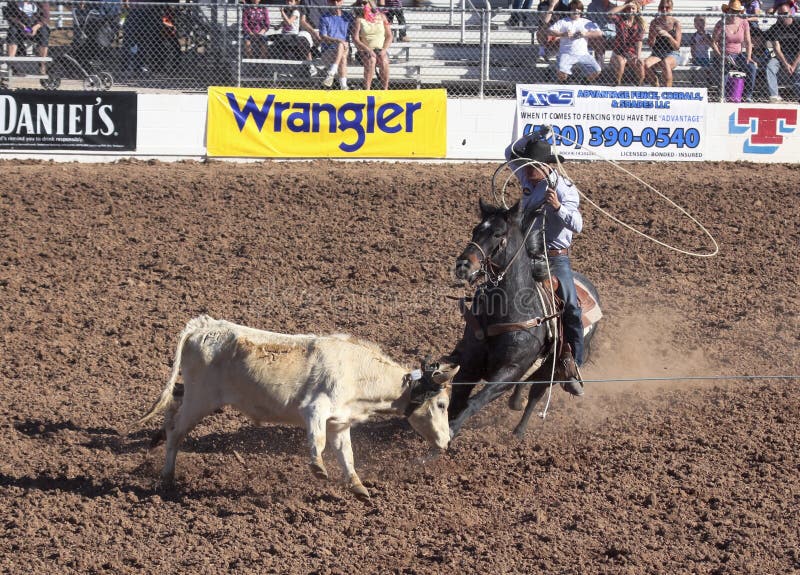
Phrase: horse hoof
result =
(517, 403)
(318, 470)
(359, 490)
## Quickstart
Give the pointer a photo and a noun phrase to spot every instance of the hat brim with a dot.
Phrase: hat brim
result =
(551, 159)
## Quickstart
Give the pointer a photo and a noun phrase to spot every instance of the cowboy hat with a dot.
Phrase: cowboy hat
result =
(733, 6)
(538, 151)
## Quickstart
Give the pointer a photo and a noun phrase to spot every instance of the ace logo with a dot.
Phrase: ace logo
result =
(767, 126)
(546, 98)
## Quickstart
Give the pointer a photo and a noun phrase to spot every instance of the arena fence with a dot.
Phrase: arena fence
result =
(470, 51)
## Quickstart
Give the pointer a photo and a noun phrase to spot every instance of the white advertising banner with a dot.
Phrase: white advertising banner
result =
(617, 123)
(754, 132)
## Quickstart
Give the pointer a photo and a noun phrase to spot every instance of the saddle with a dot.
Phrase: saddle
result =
(591, 313)
(590, 310)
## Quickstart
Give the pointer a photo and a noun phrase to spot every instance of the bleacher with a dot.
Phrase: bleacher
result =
(448, 46)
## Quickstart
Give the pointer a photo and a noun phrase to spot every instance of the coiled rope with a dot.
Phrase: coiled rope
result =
(563, 171)
(517, 164)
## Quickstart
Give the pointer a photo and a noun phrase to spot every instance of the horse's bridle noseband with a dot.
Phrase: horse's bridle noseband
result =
(487, 266)
(486, 263)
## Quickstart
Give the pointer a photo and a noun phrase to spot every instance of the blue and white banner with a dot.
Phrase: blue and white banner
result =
(621, 123)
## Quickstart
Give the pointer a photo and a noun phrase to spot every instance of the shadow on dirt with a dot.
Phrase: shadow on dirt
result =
(92, 488)
(268, 439)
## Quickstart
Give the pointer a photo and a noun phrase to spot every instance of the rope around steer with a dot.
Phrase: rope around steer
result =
(550, 383)
(632, 379)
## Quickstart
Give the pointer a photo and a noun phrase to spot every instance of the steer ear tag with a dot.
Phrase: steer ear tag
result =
(416, 375)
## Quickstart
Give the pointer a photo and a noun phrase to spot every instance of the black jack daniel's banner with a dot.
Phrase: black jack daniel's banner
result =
(67, 120)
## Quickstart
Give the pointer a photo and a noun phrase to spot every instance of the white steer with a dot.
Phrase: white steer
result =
(324, 383)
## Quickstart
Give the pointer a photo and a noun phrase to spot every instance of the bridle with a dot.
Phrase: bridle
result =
(488, 267)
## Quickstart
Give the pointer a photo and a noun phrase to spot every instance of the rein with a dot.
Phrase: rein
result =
(487, 264)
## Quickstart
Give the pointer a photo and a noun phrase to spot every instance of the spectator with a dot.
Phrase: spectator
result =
(140, 35)
(28, 21)
(700, 43)
(785, 38)
(394, 9)
(792, 4)
(736, 53)
(548, 45)
(372, 35)
(520, 18)
(333, 29)
(761, 52)
(753, 10)
(573, 48)
(255, 26)
(310, 15)
(627, 47)
(664, 38)
(597, 13)
(290, 16)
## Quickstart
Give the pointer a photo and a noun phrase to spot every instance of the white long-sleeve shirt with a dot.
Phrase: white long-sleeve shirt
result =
(560, 224)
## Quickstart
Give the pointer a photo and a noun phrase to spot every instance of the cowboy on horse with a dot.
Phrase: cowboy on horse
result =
(535, 163)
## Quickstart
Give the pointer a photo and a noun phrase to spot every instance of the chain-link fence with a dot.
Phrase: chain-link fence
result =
(471, 52)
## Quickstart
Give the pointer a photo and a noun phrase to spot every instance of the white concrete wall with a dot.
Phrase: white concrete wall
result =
(173, 127)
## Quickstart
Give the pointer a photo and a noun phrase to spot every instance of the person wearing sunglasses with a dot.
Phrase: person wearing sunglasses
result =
(573, 47)
(785, 65)
(664, 37)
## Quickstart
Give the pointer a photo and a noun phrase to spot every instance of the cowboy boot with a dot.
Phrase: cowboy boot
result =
(568, 372)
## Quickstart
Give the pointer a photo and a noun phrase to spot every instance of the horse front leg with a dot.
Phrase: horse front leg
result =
(469, 355)
(538, 387)
(485, 396)
(537, 390)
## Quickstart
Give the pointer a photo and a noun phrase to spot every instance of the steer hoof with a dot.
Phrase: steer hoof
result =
(167, 478)
(359, 490)
(318, 470)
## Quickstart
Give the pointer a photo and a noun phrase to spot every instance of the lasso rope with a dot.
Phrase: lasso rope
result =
(562, 170)
(634, 379)
(522, 163)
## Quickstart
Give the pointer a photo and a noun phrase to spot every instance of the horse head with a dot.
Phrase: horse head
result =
(496, 242)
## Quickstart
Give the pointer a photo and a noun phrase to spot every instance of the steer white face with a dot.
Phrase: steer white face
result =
(430, 420)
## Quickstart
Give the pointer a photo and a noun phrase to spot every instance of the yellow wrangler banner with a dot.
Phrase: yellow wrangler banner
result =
(250, 122)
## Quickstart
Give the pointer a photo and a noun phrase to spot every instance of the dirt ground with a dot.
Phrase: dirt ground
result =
(102, 265)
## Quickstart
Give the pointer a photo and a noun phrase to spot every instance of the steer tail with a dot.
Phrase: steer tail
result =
(166, 396)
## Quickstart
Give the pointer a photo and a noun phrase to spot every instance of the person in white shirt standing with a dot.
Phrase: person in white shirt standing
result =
(573, 46)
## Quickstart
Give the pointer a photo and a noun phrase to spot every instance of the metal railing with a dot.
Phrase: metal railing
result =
(471, 50)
